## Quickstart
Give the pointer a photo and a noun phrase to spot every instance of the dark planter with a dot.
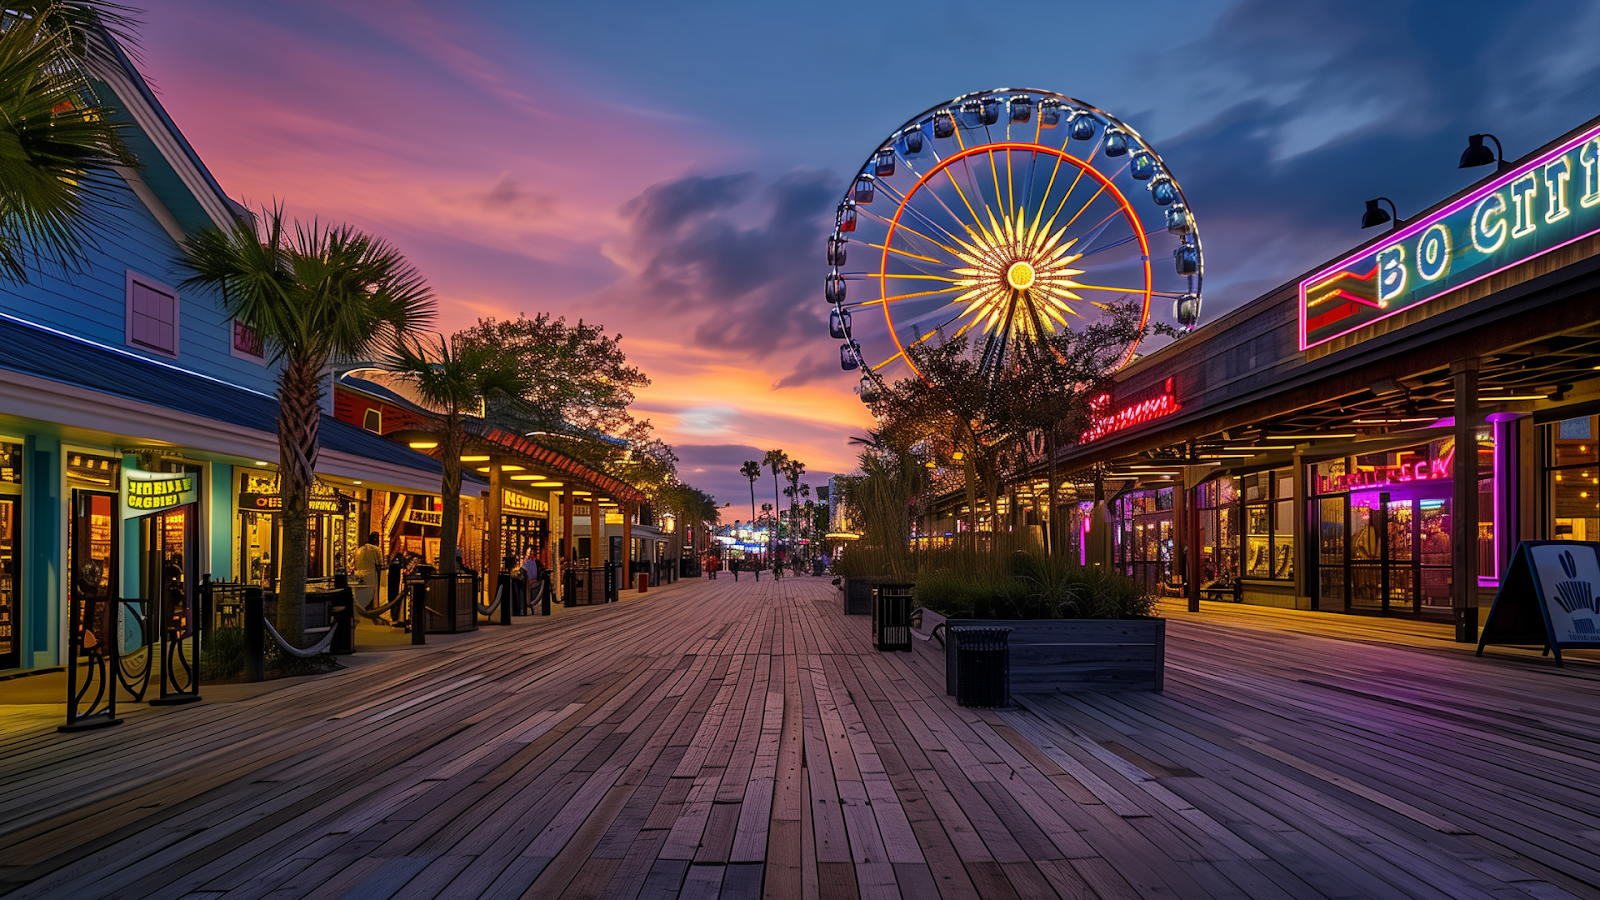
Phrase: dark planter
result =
(1079, 655)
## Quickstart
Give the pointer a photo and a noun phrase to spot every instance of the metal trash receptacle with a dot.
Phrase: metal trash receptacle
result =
(891, 616)
(983, 666)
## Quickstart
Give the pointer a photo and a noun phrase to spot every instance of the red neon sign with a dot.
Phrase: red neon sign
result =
(1137, 412)
(1386, 476)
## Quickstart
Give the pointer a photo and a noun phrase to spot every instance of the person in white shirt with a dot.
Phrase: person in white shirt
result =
(365, 565)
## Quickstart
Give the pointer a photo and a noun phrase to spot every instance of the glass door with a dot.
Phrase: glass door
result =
(1366, 553)
(1400, 587)
(93, 557)
(1433, 551)
(10, 623)
(1332, 538)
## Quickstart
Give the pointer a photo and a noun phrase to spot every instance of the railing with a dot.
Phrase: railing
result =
(590, 586)
(100, 631)
(180, 650)
(443, 603)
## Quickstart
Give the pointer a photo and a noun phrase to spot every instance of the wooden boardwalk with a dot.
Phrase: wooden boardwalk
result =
(743, 740)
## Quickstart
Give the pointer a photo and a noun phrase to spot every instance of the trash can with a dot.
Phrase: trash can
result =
(983, 666)
(891, 616)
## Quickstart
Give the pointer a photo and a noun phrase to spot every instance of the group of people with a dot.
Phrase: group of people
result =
(713, 565)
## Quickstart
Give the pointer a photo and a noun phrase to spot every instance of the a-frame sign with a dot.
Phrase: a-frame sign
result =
(1550, 598)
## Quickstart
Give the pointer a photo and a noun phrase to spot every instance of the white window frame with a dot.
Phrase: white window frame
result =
(236, 353)
(177, 315)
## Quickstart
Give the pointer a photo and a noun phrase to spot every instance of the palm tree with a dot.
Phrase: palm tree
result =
(319, 296)
(751, 470)
(774, 460)
(456, 379)
(58, 145)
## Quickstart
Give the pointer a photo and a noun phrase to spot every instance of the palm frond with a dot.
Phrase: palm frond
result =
(58, 150)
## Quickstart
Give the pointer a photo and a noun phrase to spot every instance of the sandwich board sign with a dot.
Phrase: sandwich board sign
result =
(1549, 598)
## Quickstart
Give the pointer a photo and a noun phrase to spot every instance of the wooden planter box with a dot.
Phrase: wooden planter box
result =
(857, 596)
(1074, 655)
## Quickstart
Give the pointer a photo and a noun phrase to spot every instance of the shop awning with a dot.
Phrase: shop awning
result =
(52, 377)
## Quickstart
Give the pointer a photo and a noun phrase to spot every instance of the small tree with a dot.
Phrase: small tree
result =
(455, 379)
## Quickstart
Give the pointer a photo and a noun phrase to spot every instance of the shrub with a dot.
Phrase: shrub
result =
(1023, 584)
(222, 655)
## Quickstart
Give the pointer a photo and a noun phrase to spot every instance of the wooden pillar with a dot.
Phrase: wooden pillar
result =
(491, 511)
(1180, 530)
(1192, 556)
(567, 542)
(597, 534)
(1304, 542)
(627, 541)
(1464, 503)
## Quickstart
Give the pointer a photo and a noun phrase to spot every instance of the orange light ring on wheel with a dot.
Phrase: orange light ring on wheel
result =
(1105, 183)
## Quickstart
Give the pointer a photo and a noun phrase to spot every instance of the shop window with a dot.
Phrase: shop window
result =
(1572, 480)
(152, 316)
(1141, 535)
(1268, 511)
(247, 344)
(1216, 501)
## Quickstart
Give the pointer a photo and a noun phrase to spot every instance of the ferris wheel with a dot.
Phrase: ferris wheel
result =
(1003, 216)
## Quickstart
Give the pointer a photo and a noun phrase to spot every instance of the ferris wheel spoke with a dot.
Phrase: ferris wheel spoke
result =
(913, 231)
(924, 217)
(1113, 245)
(898, 297)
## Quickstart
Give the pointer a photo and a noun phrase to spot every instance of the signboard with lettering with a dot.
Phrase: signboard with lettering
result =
(1370, 477)
(1549, 598)
(1146, 406)
(425, 517)
(148, 493)
(325, 501)
(1540, 206)
(517, 503)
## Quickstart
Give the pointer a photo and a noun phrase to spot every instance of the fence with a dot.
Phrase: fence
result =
(448, 603)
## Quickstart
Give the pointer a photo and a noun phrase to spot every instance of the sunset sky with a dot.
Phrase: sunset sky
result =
(670, 169)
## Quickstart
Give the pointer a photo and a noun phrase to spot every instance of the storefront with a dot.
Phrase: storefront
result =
(334, 529)
(1301, 450)
(524, 525)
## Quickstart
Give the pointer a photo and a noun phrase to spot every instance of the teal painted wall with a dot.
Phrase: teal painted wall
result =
(41, 565)
(219, 520)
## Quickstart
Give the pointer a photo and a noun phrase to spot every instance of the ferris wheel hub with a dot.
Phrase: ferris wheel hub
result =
(1020, 275)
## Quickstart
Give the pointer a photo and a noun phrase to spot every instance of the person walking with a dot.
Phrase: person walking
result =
(777, 570)
(365, 565)
(530, 578)
(733, 566)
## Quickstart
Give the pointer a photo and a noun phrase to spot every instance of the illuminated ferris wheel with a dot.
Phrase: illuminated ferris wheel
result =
(1002, 216)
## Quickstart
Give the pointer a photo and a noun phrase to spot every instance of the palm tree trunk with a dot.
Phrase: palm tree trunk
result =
(299, 417)
(752, 503)
(772, 557)
(450, 489)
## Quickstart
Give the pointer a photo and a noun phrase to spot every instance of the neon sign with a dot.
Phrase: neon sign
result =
(1388, 476)
(1540, 206)
(1136, 412)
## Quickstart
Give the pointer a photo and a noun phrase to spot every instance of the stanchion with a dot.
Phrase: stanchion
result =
(419, 612)
(255, 634)
(505, 604)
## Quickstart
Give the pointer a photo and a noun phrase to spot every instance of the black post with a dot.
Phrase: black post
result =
(569, 589)
(206, 619)
(505, 603)
(255, 634)
(544, 592)
(394, 580)
(419, 611)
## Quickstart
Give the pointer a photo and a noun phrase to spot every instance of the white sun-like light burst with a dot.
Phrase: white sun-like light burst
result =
(1017, 277)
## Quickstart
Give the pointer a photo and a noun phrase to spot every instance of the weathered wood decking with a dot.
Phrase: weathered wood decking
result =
(743, 740)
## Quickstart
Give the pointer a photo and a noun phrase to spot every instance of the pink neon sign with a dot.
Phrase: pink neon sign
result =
(1388, 476)
(1137, 412)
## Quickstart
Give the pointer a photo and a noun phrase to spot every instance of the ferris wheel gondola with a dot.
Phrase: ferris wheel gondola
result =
(1003, 216)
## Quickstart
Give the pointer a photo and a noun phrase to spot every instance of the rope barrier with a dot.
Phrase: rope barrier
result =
(321, 647)
(499, 598)
(376, 611)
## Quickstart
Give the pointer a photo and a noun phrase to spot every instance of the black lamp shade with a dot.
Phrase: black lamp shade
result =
(1375, 215)
(1476, 153)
